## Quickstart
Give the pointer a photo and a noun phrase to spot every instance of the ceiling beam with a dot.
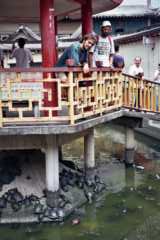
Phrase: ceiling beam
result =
(67, 12)
(80, 1)
(22, 20)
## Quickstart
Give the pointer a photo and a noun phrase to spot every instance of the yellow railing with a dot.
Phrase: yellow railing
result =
(27, 96)
(141, 94)
(35, 96)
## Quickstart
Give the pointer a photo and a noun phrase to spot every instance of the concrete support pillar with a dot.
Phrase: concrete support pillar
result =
(129, 146)
(86, 12)
(130, 178)
(89, 151)
(60, 153)
(52, 170)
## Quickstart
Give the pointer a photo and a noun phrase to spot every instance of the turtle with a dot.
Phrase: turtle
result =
(15, 206)
(27, 202)
(15, 196)
(63, 184)
(60, 213)
(68, 164)
(89, 182)
(97, 179)
(38, 208)
(89, 195)
(3, 202)
(33, 198)
(99, 188)
(51, 213)
(63, 201)
(40, 217)
(80, 181)
(71, 181)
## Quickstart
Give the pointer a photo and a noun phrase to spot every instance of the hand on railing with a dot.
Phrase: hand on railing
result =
(86, 68)
(13, 47)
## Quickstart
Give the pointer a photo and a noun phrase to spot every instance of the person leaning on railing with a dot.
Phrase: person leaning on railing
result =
(157, 74)
(137, 71)
(157, 79)
(77, 55)
(118, 60)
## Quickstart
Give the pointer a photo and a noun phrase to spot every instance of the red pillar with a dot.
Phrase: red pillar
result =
(55, 25)
(48, 40)
(48, 33)
(56, 33)
(86, 12)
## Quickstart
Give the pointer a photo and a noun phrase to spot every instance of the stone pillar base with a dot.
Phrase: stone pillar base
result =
(52, 199)
(129, 157)
(130, 177)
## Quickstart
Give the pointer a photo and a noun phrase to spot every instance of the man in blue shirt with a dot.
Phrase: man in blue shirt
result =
(78, 52)
(118, 60)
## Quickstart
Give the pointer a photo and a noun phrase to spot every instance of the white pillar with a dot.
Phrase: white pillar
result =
(89, 151)
(129, 146)
(129, 140)
(52, 164)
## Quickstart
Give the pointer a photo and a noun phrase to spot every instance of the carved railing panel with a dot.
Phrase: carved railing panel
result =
(22, 98)
(98, 93)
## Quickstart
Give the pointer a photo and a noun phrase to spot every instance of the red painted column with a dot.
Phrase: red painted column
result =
(48, 39)
(86, 12)
(47, 24)
(56, 33)
(55, 25)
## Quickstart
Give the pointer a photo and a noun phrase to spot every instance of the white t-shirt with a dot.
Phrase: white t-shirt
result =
(102, 51)
(23, 57)
(157, 76)
(134, 70)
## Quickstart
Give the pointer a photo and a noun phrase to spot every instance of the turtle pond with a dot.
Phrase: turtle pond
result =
(128, 209)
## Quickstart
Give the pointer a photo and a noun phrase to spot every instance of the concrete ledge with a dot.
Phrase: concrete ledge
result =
(59, 129)
(70, 129)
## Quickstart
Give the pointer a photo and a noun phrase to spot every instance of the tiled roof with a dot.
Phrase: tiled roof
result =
(126, 11)
(32, 46)
(136, 36)
(23, 32)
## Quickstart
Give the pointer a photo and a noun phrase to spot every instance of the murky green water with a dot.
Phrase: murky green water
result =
(130, 208)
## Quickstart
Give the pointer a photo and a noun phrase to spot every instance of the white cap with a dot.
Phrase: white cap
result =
(106, 23)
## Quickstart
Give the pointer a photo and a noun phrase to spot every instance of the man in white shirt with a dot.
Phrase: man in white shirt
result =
(136, 70)
(101, 54)
(22, 55)
(157, 74)
(157, 79)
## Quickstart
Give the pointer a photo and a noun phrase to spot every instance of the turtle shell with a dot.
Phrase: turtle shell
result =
(3, 202)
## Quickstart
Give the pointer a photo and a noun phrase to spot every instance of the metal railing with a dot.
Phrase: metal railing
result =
(40, 95)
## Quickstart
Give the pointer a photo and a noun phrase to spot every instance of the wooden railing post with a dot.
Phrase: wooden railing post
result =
(120, 89)
(1, 114)
(99, 89)
(71, 98)
(158, 98)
